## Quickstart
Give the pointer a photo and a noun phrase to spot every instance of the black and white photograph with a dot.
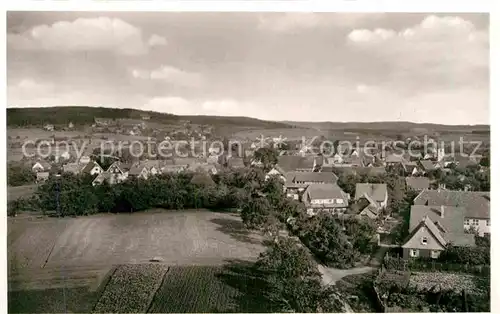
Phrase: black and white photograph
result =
(247, 162)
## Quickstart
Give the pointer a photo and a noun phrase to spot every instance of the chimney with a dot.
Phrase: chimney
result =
(442, 211)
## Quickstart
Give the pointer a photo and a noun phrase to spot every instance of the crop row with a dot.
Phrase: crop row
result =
(131, 289)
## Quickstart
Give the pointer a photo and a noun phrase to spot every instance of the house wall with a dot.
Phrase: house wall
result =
(415, 242)
(480, 224)
(421, 253)
(384, 203)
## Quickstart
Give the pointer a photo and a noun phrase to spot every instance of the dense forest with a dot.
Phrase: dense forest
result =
(26, 117)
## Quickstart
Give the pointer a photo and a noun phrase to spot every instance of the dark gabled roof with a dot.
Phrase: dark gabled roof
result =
(89, 166)
(417, 183)
(45, 164)
(433, 229)
(450, 226)
(287, 163)
(136, 169)
(477, 204)
(319, 177)
(427, 164)
(376, 191)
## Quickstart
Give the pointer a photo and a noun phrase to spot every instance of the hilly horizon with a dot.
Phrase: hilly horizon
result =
(86, 114)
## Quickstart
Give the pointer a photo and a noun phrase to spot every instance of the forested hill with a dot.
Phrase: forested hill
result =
(24, 117)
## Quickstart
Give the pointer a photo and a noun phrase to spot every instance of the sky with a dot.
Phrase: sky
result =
(426, 68)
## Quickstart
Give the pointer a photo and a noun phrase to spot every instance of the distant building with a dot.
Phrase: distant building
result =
(70, 125)
(42, 176)
(49, 127)
(41, 166)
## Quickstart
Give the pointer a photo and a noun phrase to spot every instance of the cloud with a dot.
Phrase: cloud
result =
(85, 34)
(156, 40)
(174, 105)
(170, 75)
(183, 106)
(439, 51)
(290, 22)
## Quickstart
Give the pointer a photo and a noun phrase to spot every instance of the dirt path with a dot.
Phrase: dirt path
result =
(331, 275)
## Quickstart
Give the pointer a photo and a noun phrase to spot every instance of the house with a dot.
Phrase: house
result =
(42, 176)
(205, 167)
(173, 168)
(100, 122)
(288, 163)
(428, 165)
(71, 125)
(49, 127)
(432, 228)
(373, 192)
(296, 182)
(118, 171)
(325, 197)
(139, 170)
(73, 167)
(476, 204)
(153, 166)
(41, 166)
(84, 159)
(368, 208)
(394, 159)
(410, 168)
(417, 183)
(145, 116)
(91, 168)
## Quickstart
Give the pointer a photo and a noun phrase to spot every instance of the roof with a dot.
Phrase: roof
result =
(427, 164)
(45, 164)
(188, 161)
(42, 174)
(125, 166)
(376, 191)
(235, 162)
(393, 158)
(136, 169)
(172, 168)
(418, 183)
(289, 163)
(448, 228)
(477, 204)
(317, 177)
(327, 191)
(73, 167)
(89, 166)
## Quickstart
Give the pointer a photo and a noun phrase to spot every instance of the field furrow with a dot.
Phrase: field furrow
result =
(131, 288)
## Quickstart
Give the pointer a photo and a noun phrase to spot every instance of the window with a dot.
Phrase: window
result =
(424, 240)
(434, 254)
(414, 253)
(475, 222)
(488, 222)
(340, 201)
(466, 222)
